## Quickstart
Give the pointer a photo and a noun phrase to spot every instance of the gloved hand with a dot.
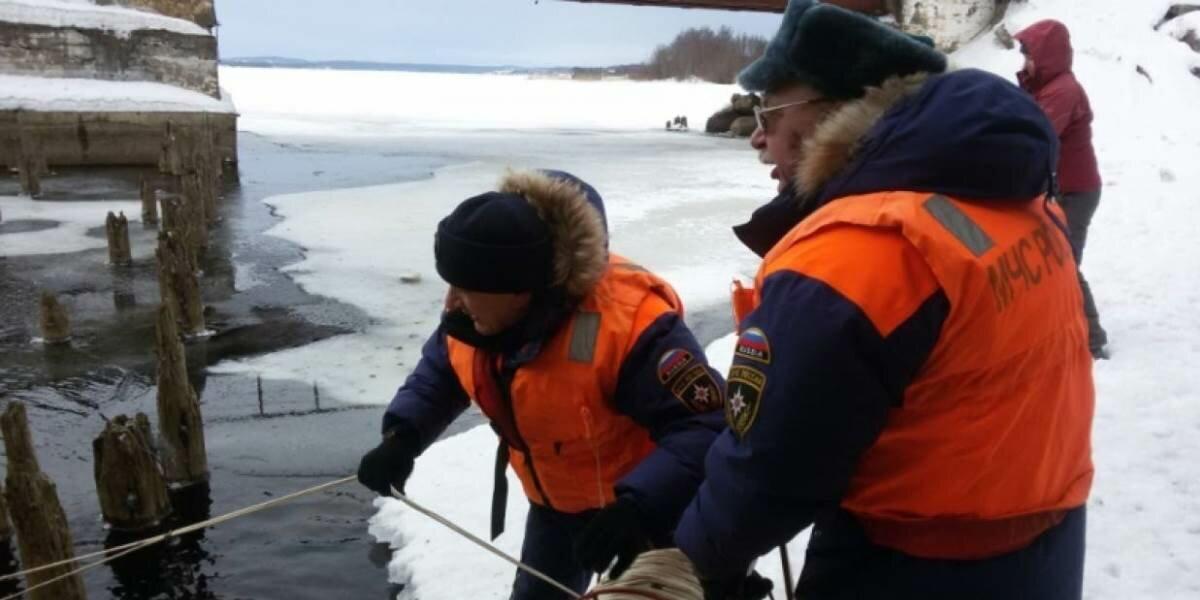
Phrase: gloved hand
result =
(390, 463)
(615, 532)
(751, 587)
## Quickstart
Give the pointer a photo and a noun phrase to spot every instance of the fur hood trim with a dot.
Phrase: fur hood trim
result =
(580, 240)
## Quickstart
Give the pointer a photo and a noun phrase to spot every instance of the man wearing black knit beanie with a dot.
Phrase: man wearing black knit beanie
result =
(603, 401)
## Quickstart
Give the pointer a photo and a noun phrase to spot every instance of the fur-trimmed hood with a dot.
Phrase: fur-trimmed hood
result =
(574, 213)
(967, 134)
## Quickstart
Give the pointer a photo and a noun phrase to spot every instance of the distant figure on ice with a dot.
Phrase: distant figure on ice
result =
(911, 375)
(602, 398)
(1047, 75)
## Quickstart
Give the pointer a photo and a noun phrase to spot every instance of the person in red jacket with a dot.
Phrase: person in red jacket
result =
(1047, 76)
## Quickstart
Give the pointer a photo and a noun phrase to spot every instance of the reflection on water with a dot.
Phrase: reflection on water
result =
(8, 566)
(174, 568)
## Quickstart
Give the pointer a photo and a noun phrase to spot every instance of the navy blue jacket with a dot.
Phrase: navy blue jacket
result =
(663, 483)
(833, 377)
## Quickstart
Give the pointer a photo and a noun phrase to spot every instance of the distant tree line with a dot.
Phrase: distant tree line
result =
(714, 56)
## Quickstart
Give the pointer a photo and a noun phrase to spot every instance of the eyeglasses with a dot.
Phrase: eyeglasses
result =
(760, 113)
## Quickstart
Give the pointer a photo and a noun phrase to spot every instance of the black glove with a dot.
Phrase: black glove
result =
(390, 463)
(750, 587)
(615, 532)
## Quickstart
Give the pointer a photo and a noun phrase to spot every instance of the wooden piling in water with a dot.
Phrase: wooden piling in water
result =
(180, 425)
(178, 287)
(30, 177)
(6, 529)
(116, 229)
(194, 215)
(41, 525)
(56, 325)
(132, 491)
(149, 204)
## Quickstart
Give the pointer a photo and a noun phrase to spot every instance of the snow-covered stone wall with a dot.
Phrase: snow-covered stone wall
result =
(200, 12)
(155, 55)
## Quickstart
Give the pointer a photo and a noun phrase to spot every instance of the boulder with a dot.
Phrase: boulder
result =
(721, 121)
(743, 126)
(743, 104)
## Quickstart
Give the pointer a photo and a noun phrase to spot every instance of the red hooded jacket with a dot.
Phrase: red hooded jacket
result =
(1055, 88)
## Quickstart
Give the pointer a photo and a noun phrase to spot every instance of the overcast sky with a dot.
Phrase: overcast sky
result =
(464, 32)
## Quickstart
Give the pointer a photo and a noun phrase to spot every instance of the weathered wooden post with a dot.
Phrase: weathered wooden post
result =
(180, 425)
(133, 494)
(195, 211)
(42, 533)
(56, 325)
(168, 159)
(178, 286)
(30, 176)
(175, 222)
(149, 204)
(5, 525)
(116, 228)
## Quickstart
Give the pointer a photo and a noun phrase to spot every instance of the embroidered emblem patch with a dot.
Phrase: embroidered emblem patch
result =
(753, 345)
(745, 395)
(672, 363)
(697, 390)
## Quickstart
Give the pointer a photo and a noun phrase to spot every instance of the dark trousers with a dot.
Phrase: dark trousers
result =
(1079, 208)
(548, 547)
(841, 564)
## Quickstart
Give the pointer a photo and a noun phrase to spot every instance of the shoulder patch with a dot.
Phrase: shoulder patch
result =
(744, 390)
(672, 363)
(753, 345)
(697, 389)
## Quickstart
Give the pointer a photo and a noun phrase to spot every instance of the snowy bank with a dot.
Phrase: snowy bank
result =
(54, 94)
(86, 15)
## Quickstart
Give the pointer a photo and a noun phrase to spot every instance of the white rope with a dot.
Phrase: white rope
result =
(482, 544)
(657, 575)
(654, 575)
(114, 553)
(86, 567)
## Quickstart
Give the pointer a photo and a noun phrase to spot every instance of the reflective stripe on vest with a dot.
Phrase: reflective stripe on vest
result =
(578, 446)
(996, 425)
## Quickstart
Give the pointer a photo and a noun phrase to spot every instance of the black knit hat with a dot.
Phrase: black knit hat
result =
(838, 52)
(496, 243)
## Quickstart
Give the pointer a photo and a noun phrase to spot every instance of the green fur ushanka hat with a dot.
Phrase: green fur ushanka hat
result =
(837, 52)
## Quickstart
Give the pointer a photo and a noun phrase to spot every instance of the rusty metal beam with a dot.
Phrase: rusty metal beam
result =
(866, 6)
(753, 5)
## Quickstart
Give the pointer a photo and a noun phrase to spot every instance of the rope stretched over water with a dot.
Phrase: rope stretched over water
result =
(654, 575)
(114, 553)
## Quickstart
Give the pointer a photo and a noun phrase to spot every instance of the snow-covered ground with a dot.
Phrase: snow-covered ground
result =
(48, 94)
(373, 103)
(671, 200)
(85, 14)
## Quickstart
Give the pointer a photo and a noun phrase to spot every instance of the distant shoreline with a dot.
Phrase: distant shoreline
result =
(355, 65)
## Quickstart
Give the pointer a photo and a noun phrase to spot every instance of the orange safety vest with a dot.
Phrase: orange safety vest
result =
(579, 446)
(993, 439)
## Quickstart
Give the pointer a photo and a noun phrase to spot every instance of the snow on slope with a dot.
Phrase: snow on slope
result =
(48, 94)
(85, 15)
